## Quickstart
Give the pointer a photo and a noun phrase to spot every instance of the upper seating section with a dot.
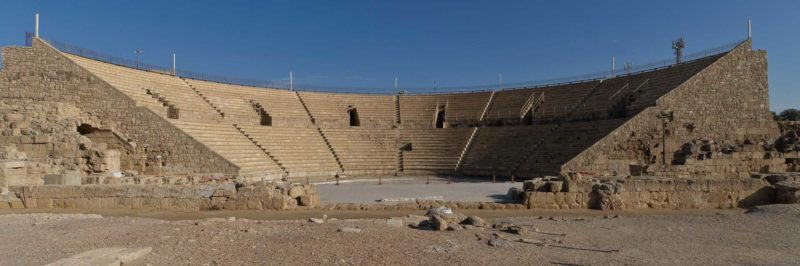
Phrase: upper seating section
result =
(665, 80)
(161, 89)
(237, 101)
(558, 101)
(234, 107)
(419, 111)
(330, 110)
(364, 151)
(626, 95)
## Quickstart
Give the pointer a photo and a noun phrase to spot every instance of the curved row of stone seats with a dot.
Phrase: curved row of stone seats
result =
(330, 109)
(364, 151)
(171, 89)
(558, 101)
(648, 86)
(283, 106)
(132, 90)
(235, 107)
(564, 143)
(497, 150)
(611, 92)
(433, 151)
(419, 111)
(301, 151)
(229, 143)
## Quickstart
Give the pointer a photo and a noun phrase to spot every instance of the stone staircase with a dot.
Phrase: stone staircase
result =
(465, 150)
(319, 131)
(399, 152)
(486, 108)
(213, 106)
(172, 111)
(283, 169)
(396, 99)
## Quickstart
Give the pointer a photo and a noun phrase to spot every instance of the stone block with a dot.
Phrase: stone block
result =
(230, 204)
(71, 179)
(558, 199)
(16, 205)
(42, 139)
(247, 192)
(652, 185)
(12, 164)
(82, 203)
(94, 203)
(297, 191)
(253, 204)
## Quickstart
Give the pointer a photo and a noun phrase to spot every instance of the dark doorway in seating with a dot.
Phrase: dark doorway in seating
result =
(352, 113)
(406, 147)
(266, 119)
(440, 117)
(527, 119)
(86, 129)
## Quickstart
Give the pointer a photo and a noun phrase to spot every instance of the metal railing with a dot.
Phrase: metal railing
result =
(654, 66)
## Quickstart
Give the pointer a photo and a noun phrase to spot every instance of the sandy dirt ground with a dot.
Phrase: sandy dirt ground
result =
(767, 236)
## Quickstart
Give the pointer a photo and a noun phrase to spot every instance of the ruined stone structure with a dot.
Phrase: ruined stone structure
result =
(708, 117)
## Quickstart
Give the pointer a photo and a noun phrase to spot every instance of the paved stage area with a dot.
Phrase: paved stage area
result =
(397, 188)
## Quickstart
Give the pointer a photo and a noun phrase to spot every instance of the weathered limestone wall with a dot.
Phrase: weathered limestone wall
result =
(42, 73)
(725, 105)
(269, 196)
(659, 194)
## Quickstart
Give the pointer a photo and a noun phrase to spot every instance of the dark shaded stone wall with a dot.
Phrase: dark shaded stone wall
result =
(720, 119)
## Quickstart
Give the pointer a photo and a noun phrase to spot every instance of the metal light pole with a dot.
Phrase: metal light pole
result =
(36, 30)
(137, 52)
(501, 81)
(613, 65)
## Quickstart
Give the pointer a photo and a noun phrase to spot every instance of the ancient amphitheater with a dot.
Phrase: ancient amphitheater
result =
(86, 132)
(700, 129)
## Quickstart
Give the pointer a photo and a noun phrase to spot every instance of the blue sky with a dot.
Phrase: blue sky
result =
(455, 43)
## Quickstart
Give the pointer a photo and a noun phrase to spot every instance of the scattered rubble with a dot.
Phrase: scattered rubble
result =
(449, 247)
(608, 196)
(350, 230)
(498, 241)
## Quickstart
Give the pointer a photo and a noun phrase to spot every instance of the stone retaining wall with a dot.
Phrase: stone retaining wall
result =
(271, 196)
(657, 194)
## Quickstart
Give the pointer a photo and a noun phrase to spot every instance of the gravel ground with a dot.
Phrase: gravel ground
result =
(769, 236)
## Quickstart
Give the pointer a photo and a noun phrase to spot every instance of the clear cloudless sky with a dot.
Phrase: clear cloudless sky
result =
(455, 43)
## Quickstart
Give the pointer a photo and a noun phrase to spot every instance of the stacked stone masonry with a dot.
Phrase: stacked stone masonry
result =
(664, 193)
(259, 196)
